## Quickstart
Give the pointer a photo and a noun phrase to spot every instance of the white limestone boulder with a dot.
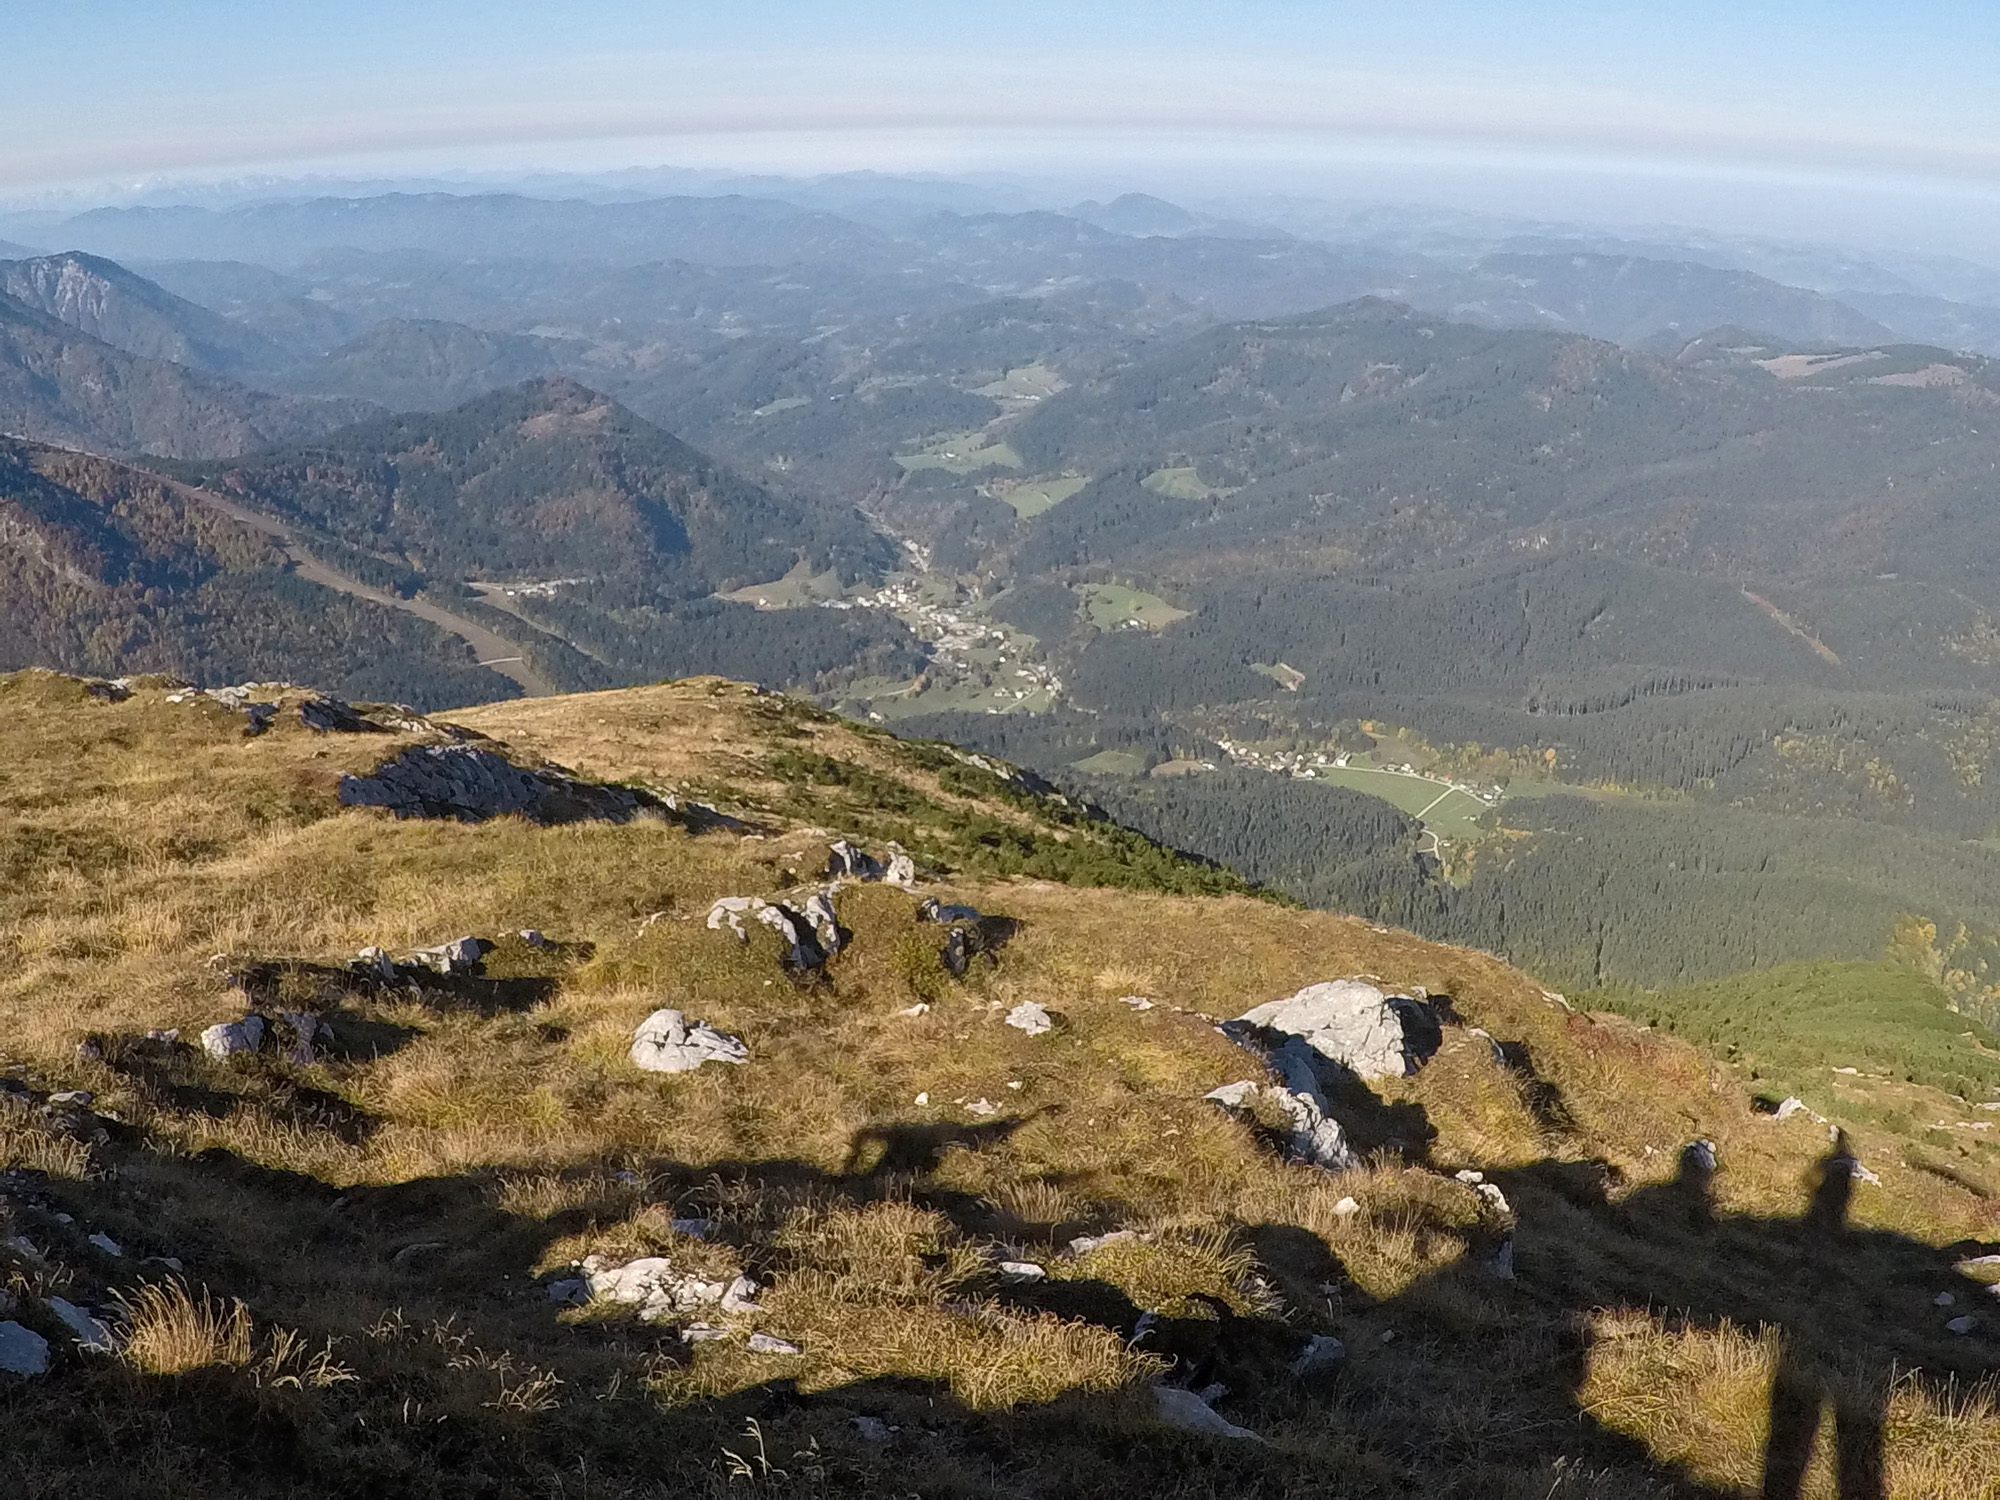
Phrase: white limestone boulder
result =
(1351, 1022)
(667, 1043)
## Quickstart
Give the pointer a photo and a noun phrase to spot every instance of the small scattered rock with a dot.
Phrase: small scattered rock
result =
(107, 1244)
(459, 956)
(1787, 1108)
(702, 1333)
(1489, 1192)
(1500, 1263)
(982, 1106)
(1962, 1325)
(666, 1043)
(1137, 1002)
(933, 910)
(652, 1285)
(1233, 1095)
(765, 1343)
(1346, 1208)
(1322, 1352)
(1031, 1018)
(92, 1334)
(1083, 1244)
(1699, 1159)
(1020, 1271)
(1943, 1299)
(1185, 1410)
(296, 1032)
(22, 1351)
(228, 1038)
(871, 1429)
(902, 872)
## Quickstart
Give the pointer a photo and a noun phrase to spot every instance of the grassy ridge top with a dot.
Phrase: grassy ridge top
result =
(399, 1204)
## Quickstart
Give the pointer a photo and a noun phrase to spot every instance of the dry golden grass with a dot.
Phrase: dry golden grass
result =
(1700, 1399)
(138, 840)
(172, 1332)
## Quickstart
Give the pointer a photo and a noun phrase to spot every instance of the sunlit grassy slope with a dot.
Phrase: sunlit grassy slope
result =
(387, 1217)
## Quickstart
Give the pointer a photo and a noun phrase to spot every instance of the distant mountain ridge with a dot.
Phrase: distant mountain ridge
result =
(61, 385)
(426, 364)
(108, 302)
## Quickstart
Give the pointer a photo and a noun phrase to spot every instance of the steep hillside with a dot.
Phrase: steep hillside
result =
(596, 538)
(110, 570)
(434, 1231)
(547, 479)
(110, 303)
(60, 385)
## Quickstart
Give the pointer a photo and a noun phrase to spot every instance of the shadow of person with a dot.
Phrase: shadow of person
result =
(1849, 1314)
(1807, 1381)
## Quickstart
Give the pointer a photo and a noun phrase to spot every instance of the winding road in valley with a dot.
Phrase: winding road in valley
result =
(495, 652)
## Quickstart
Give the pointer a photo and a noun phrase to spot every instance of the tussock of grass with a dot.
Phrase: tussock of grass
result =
(171, 1331)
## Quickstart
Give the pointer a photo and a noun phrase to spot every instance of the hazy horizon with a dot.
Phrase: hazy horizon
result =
(1829, 123)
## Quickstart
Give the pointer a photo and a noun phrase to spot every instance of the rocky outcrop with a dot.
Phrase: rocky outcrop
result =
(811, 931)
(1352, 1023)
(1316, 1137)
(93, 1335)
(666, 1043)
(331, 716)
(847, 861)
(471, 785)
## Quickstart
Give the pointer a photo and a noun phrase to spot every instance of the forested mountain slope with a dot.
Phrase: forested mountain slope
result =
(420, 364)
(109, 570)
(604, 538)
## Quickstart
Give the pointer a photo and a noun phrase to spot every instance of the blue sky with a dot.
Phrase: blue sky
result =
(119, 90)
